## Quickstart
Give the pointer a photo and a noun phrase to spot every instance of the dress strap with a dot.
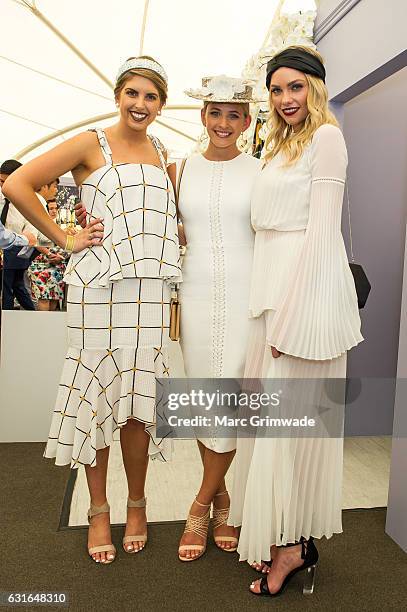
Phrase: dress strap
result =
(159, 147)
(104, 145)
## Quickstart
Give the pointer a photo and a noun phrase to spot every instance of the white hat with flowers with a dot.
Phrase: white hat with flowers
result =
(222, 88)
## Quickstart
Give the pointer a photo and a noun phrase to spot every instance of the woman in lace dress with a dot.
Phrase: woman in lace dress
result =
(214, 203)
(118, 298)
(287, 490)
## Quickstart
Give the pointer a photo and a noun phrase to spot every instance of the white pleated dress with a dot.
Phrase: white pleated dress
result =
(214, 203)
(303, 302)
(118, 311)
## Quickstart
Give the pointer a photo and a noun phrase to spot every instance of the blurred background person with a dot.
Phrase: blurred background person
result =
(47, 193)
(52, 208)
(47, 270)
(14, 267)
(10, 239)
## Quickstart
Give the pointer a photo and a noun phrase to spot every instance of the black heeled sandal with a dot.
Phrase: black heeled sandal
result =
(310, 555)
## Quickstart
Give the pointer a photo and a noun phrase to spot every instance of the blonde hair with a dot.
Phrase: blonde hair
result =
(152, 76)
(281, 136)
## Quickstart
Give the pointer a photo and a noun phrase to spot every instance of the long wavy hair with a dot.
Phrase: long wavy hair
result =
(281, 136)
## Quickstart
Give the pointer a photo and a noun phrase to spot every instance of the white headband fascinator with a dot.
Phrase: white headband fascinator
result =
(148, 64)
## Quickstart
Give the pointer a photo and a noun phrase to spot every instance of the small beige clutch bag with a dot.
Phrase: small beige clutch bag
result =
(175, 315)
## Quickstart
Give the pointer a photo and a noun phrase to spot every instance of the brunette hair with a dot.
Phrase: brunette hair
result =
(53, 201)
(9, 166)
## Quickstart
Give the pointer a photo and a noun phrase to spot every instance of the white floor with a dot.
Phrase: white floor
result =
(171, 486)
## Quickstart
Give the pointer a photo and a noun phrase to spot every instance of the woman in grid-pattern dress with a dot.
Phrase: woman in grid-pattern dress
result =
(118, 301)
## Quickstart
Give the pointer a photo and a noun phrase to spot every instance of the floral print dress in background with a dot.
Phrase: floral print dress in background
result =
(47, 278)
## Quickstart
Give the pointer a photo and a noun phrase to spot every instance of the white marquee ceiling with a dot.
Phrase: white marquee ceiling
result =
(46, 87)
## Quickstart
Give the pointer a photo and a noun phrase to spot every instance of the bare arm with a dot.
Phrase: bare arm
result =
(172, 173)
(20, 188)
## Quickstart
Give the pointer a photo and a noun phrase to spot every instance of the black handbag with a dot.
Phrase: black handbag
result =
(361, 281)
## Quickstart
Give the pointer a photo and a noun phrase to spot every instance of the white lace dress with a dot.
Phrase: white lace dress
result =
(118, 311)
(214, 203)
(303, 302)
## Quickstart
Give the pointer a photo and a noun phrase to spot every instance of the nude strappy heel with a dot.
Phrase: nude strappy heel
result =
(200, 526)
(106, 548)
(220, 517)
(139, 503)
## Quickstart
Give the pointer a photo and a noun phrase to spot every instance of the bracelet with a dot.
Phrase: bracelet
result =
(70, 243)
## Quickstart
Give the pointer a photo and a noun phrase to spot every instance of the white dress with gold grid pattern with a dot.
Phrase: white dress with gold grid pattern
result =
(118, 311)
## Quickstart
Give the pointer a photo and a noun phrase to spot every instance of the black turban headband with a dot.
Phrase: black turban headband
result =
(297, 59)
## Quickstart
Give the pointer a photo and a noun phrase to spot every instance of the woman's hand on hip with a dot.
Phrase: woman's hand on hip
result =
(92, 235)
(80, 214)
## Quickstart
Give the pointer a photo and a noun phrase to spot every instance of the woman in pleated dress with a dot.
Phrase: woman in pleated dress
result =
(214, 204)
(287, 490)
(118, 298)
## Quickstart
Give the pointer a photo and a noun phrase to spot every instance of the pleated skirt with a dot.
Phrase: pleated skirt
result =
(117, 348)
(285, 488)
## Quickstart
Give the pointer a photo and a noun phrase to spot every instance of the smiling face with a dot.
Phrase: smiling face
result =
(225, 122)
(288, 94)
(139, 102)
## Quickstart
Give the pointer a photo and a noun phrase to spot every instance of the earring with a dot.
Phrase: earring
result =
(159, 113)
(202, 141)
(242, 142)
(204, 137)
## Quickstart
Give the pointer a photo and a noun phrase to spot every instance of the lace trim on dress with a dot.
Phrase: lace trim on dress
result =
(218, 264)
(326, 179)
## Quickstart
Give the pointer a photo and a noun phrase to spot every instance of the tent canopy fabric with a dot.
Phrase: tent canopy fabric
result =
(59, 59)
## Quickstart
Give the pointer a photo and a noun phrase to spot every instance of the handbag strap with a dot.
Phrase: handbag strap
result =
(352, 257)
(181, 172)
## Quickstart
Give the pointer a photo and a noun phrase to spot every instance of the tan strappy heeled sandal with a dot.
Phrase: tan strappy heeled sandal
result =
(220, 517)
(106, 548)
(200, 526)
(139, 503)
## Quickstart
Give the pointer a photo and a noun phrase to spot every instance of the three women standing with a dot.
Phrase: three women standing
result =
(302, 300)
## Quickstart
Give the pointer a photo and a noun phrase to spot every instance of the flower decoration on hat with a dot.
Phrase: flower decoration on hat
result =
(222, 88)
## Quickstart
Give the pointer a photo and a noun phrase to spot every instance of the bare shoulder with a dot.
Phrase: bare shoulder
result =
(86, 142)
(87, 137)
(76, 149)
